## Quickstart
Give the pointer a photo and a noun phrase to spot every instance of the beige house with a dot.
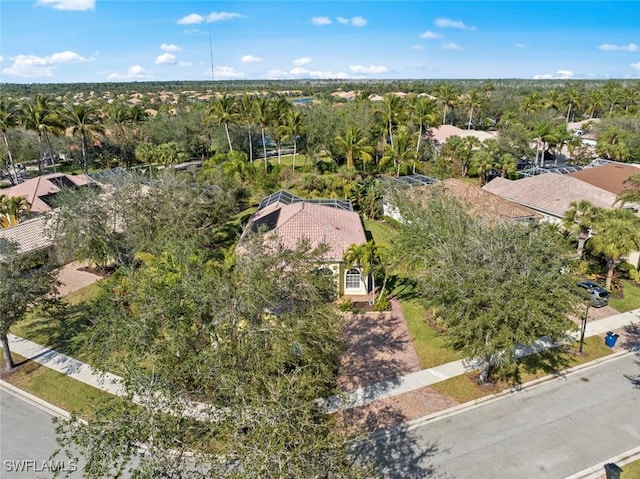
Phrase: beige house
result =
(40, 191)
(289, 219)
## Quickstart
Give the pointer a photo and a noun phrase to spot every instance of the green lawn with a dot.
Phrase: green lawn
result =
(55, 388)
(630, 297)
(631, 470)
(381, 233)
(60, 329)
(465, 388)
(431, 346)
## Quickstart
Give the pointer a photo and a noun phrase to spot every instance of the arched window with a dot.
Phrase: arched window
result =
(352, 279)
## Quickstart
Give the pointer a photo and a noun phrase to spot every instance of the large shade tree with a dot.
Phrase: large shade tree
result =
(492, 284)
(26, 281)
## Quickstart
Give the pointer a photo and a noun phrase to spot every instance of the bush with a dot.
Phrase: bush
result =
(382, 303)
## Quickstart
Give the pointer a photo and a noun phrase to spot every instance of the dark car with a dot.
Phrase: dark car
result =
(599, 295)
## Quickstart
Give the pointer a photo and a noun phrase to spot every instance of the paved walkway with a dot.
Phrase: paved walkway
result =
(350, 399)
(426, 377)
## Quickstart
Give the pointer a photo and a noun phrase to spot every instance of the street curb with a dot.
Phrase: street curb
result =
(597, 471)
(34, 400)
(415, 423)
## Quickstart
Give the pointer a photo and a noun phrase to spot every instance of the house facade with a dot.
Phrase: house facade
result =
(290, 220)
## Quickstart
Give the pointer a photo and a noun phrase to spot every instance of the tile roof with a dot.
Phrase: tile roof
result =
(319, 224)
(36, 190)
(28, 235)
(444, 132)
(610, 177)
(481, 201)
(551, 194)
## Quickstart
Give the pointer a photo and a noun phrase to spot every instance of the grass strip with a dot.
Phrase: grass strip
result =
(465, 388)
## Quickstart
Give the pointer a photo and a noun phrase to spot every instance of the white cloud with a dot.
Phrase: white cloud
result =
(451, 46)
(559, 75)
(302, 61)
(166, 59)
(417, 47)
(169, 47)
(520, 45)
(300, 72)
(184, 64)
(1, 58)
(225, 73)
(221, 16)
(250, 59)
(448, 23)
(358, 21)
(136, 72)
(35, 66)
(194, 18)
(370, 70)
(77, 5)
(430, 34)
(632, 47)
(635, 66)
(320, 21)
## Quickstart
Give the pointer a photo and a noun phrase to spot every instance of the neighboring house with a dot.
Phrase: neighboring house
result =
(40, 191)
(550, 195)
(473, 197)
(480, 201)
(610, 177)
(290, 220)
(29, 235)
(442, 133)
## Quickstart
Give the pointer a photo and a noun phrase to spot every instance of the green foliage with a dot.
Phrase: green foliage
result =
(493, 284)
(382, 303)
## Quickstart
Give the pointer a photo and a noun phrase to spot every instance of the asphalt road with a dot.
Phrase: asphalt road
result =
(27, 440)
(552, 430)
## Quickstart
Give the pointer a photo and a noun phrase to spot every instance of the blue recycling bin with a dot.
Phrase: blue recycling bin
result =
(610, 339)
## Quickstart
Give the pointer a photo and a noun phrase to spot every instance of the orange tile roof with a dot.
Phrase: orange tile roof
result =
(610, 177)
(35, 189)
(319, 224)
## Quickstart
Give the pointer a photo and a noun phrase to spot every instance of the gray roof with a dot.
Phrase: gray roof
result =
(550, 194)
(28, 235)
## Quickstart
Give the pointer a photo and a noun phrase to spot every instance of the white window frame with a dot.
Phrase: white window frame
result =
(349, 276)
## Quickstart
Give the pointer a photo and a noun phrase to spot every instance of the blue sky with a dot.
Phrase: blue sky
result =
(51, 41)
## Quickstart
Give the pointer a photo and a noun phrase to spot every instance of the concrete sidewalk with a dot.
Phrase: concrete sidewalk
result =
(350, 399)
(426, 377)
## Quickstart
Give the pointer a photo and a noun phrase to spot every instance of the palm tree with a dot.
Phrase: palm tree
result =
(12, 209)
(593, 102)
(631, 195)
(579, 220)
(365, 257)
(616, 235)
(84, 122)
(472, 100)
(629, 97)
(483, 162)
(423, 114)
(542, 131)
(532, 103)
(222, 111)
(9, 118)
(390, 109)
(262, 116)
(246, 114)
(354, 145)
(40, 116)
(400, 153)
(279, 106)
(292, 128)
(571, 97)
(449, 97)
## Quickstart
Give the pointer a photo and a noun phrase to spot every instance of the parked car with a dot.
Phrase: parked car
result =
(599, 295)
